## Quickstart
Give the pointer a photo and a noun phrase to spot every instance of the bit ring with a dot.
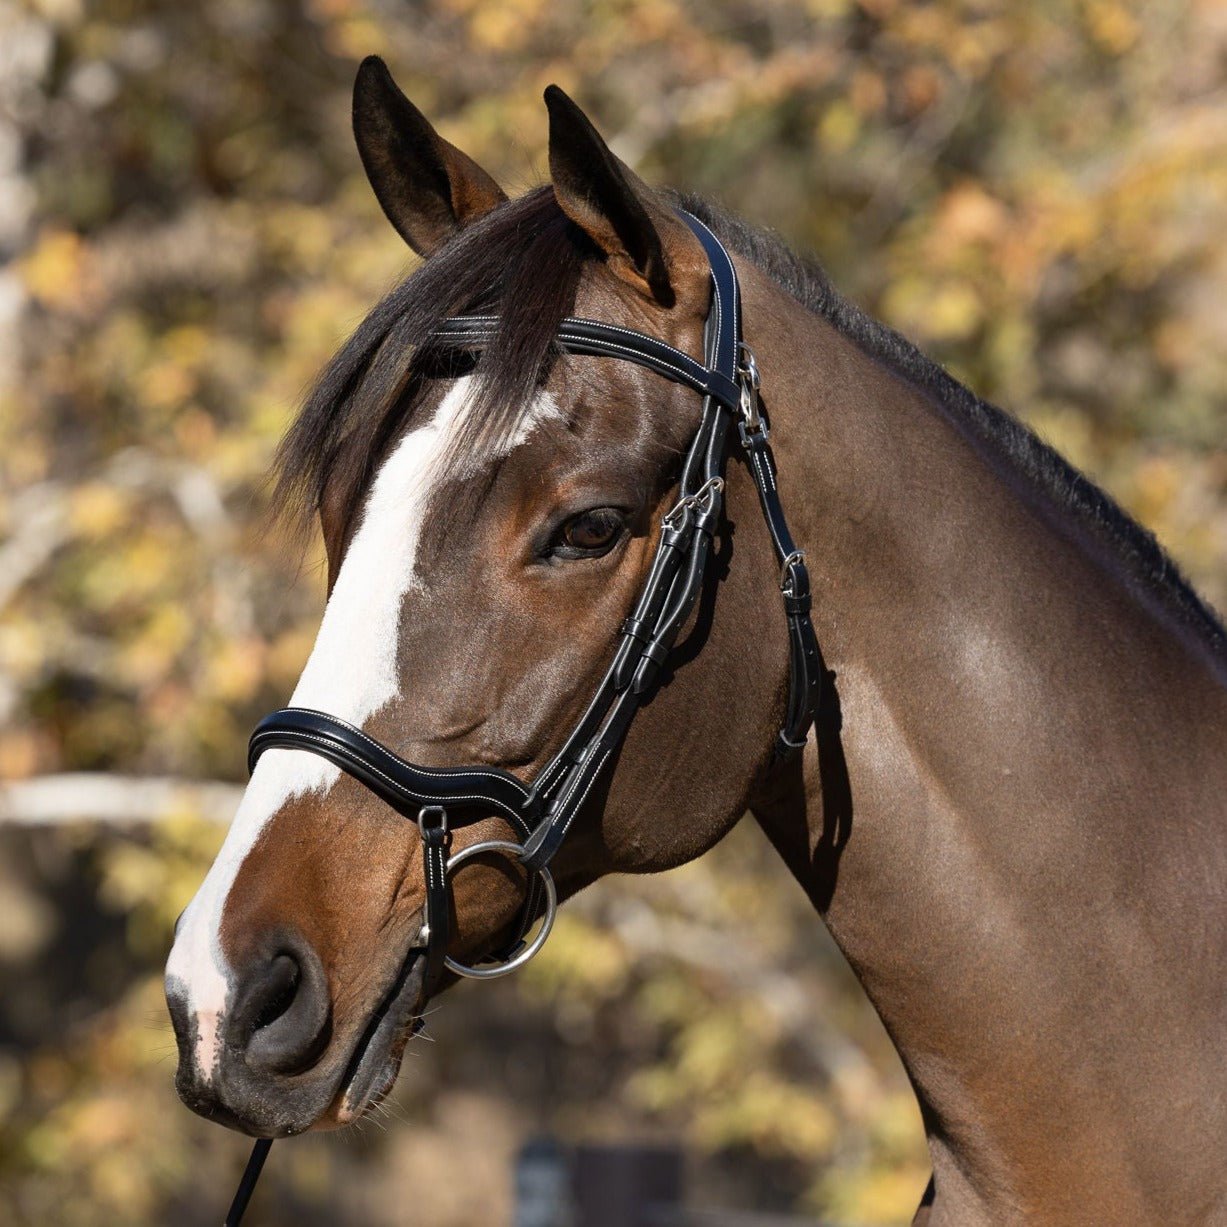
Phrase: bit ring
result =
(494, 970)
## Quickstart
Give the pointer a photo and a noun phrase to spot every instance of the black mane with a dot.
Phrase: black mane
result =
(524, 263)
(1145, 563)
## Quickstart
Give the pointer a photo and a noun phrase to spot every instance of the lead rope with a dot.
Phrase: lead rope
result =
(247, 1186)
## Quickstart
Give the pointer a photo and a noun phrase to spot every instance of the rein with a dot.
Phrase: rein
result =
(543, 812)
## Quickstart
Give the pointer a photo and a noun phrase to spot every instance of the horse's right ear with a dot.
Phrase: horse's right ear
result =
(426, 186)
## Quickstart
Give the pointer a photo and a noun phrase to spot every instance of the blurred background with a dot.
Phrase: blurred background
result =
(1034, 192)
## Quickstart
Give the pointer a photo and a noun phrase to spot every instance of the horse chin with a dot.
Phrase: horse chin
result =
(372, 1069)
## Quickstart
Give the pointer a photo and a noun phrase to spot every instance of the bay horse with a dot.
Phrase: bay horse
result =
(1011, 812)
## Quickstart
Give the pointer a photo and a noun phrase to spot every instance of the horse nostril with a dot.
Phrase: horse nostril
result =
(280, 989)
(284, 1021)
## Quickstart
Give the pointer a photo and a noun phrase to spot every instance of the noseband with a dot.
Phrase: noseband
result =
(543, 812)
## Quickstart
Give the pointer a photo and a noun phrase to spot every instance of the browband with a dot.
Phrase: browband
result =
(596, 339)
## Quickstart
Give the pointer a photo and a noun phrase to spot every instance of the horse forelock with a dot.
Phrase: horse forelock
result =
(523, 262)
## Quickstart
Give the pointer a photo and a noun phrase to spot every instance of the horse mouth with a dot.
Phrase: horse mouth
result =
(372, 1069)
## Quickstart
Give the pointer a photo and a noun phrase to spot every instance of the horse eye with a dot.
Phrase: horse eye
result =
(591, 532)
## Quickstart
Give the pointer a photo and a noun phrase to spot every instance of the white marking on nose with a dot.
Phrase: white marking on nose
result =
(351, 673)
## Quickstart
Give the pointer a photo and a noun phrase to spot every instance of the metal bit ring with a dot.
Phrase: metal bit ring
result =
(494, 970)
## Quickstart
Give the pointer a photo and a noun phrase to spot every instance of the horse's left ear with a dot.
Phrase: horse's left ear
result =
(427, 187)
(644, 242)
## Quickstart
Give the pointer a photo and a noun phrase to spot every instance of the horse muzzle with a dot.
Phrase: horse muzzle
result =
(259, 1066)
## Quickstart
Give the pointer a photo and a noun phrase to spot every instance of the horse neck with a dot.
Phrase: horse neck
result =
(1014, 817)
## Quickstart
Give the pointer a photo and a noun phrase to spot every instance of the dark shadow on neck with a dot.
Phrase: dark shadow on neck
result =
(782, 810)
(836, 793)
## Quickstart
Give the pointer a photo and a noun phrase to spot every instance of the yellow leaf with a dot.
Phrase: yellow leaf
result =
(839, 127)
(1112, 26)
(164, 385)
(96, 510)
(57, 270)
(968, 214)
(954, 312)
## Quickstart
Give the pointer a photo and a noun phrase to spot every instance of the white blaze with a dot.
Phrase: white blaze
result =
(351, 673)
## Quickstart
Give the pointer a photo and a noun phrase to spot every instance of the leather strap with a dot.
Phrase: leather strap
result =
(804, 666)
(420, 793)
(436, 933)
(577, 335)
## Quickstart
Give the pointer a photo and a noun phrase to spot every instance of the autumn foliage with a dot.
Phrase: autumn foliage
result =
(1035, 193)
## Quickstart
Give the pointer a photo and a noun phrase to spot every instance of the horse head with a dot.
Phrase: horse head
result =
(491, 519)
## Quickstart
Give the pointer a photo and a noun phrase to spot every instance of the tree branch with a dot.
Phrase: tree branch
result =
(88, 796)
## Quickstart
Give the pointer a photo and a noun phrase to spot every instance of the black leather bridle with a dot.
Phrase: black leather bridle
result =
(544, 811)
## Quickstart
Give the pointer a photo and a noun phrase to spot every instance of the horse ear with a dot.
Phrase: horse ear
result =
(426, 186)
(644, 242)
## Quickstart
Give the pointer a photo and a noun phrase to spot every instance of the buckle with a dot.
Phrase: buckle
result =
(750, 382)
(704, 498)
(786, 577)
(701, 500)
(428, 829)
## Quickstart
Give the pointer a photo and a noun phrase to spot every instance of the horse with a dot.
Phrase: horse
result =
(1011, 810)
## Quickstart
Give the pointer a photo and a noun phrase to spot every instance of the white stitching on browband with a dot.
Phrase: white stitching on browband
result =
(438, 771)
(690, 372)
(402, 789)
(686, 375)
(631, 332)
(483, 331)
(694, 374)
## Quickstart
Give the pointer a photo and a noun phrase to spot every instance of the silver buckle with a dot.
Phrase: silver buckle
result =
(750, 382)
(785, 566)
(432, 810)
(708, 491)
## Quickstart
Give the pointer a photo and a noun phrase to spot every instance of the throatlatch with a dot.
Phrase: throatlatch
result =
(542, 813)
